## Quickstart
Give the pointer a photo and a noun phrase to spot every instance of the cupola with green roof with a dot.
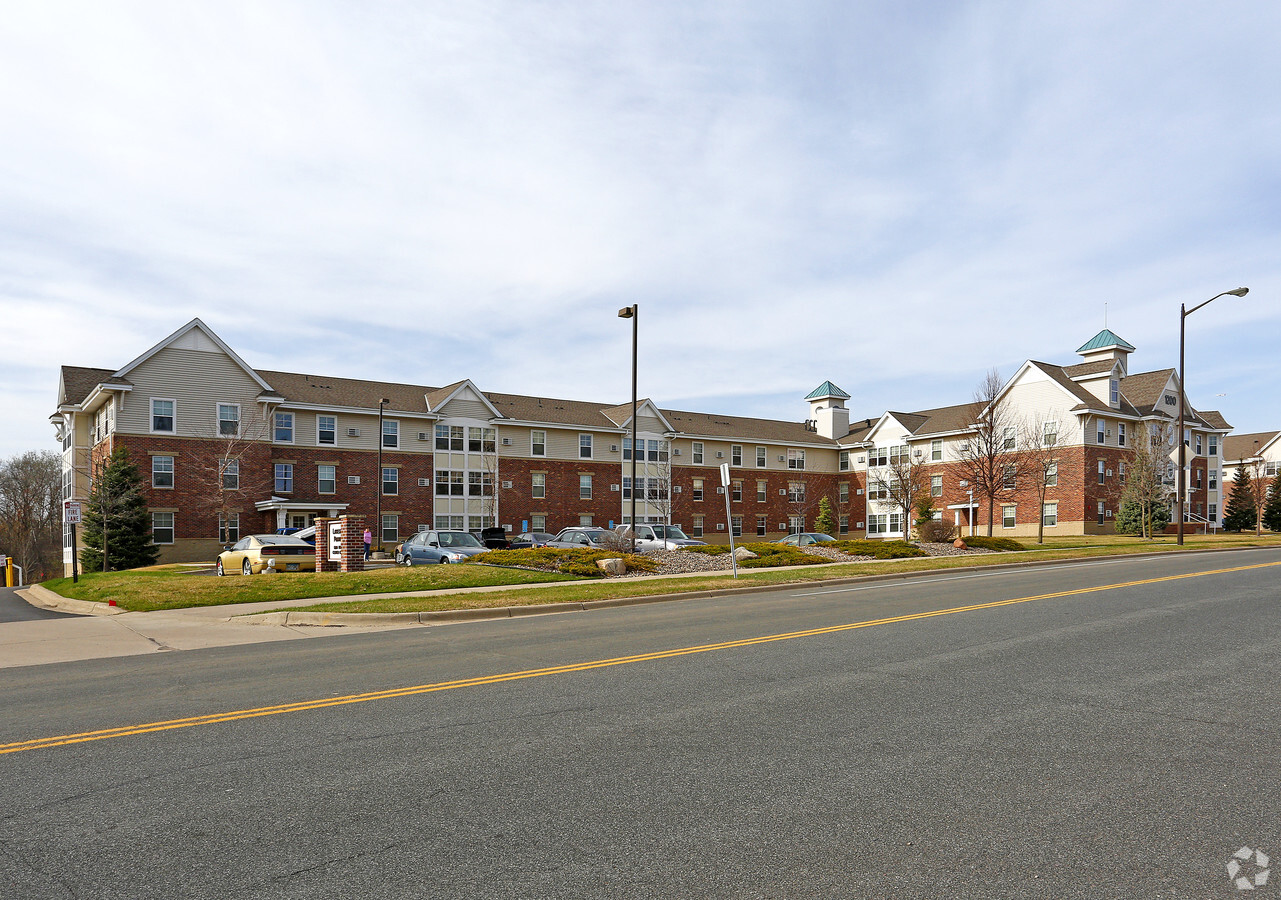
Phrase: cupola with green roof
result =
(1107, 345)
(827, 409)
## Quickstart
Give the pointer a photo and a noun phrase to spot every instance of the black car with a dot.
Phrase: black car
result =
(494, 538)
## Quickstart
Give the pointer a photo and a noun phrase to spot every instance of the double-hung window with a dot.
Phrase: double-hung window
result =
(1009, 440)
(1050, 432)
(391, 434)
(284, 428)
(736, 491)
(1051, 474)
(1100, 430)
(585, 446)
(1007, 516)
(327, 430)
(843, 492)
(162, 416)
(736, 456)
(1102, 477)
(584, 486)
(231, 475)
(538, 486)
(696, 453)
(162, 471)
(326, 479)
(936, 450)
(391, 481)
(936, 485)
(697, 490)
(795, 459)
(796, 492)
(538, 443)
(761, 491)
(162, 528)
(1120, 435)
(1050, 514)
(284, 478)
(228, 419)
(228, 528)
(844, 461)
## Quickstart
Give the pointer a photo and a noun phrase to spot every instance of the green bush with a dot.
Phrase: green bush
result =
(768, 555)
(879, 549)
(581, 563)
(993, 543)
(710, 550)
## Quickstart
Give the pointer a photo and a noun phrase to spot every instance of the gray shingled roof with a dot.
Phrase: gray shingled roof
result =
(78, 382)
(355, 393)
(1098, 367)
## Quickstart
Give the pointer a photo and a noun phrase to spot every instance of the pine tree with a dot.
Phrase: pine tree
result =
(1129, 518)
(117, 527)
(1272, 511)
(826, 522)
(1240, 513)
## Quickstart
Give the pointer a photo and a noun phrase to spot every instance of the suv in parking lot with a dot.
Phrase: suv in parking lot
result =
(658, 537)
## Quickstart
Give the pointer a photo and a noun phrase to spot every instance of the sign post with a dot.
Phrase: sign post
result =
(729, 521)
(71, 512)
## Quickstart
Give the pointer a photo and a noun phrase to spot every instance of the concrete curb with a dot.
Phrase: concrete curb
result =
(44, 598)
(440, 617)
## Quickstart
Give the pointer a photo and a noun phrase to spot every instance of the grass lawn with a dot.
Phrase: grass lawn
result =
(175, 587)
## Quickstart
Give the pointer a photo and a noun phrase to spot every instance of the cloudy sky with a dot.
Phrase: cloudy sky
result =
(893, 195)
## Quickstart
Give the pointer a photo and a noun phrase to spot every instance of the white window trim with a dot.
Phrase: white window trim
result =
(382, 437)
(319, 442)
(171, 473)
(532, 451)
(218, 405)
(591, 446)
(320, 490)
(293, 427)
(172, 528)
(152, 420)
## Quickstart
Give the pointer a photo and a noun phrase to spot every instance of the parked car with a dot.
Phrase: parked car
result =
(528, 539)
(438, 547)
(583, 538)
(658, 537)
(805, 539)
(307, 534)
(259, 553)
(494, 538)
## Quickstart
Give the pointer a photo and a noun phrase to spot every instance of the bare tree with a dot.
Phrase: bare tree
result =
(1040, 449)
(1147, 475)
(31, 513)
(907, 483)
(226, 473)
(989, 460)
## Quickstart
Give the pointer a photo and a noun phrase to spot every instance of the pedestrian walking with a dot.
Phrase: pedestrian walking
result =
(369, 539)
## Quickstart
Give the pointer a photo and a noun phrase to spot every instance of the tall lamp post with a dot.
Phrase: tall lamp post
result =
(378, 482)
(1184, 312)
(632, 312)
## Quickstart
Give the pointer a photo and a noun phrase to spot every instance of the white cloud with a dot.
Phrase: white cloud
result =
(893, 196)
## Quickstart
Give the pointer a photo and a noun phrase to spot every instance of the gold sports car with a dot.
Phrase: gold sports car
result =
(259, 553)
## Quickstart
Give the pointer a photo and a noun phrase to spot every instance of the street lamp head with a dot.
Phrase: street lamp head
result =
(384, 402)
(1239, 292)
(627, 312)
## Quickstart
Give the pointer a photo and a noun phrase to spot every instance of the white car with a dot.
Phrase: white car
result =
(658, 537)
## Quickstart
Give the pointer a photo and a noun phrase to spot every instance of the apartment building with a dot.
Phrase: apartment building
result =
(227, 449)
(1259, 453)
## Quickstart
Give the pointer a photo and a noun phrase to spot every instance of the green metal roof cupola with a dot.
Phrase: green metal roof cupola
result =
(1107, 345)
(828, 414)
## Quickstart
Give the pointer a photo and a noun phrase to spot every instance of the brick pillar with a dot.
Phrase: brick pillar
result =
(323, 561)
(353, 544)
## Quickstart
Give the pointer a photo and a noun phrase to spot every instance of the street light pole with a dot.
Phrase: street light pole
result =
(632, 312)
(378, 481)
(1183, 449)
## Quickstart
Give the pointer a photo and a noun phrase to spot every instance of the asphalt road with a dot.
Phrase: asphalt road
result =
(14, 609)
(1098, 743)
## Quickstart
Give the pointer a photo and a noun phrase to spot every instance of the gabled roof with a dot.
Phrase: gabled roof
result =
(1145, 389)
(1105, 340)
(1215, 419)
(1086, 402)
(438, 399)
(622, 415)
(195, 325)
(1243, 446)
(825, 390)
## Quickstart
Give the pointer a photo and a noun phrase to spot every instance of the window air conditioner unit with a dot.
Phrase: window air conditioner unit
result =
(782, 492)
(720, 526)
(720, 490)
(424, 482)
(782, 458)
(353, 479)
(782, 526)
(507, 442)
(676, 451)
(859, 525)
(424, 436)
(613, 487)
(862, 459)
(858, 492)
(613, 448)
(720, 454)
(1108, 514)
(676, 489)
(1109, 473)
(353, 432)
(507, 485)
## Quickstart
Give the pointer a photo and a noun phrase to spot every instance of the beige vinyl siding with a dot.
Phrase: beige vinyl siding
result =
(1037, 398)
(648, 424)
(197, 381)
(461, 407)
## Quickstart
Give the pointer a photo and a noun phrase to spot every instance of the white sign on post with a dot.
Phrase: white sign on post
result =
(724, 474)
(71, 511)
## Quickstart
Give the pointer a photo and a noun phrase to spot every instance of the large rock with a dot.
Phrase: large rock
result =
(960, 544)
(742, 553)
(612, 566)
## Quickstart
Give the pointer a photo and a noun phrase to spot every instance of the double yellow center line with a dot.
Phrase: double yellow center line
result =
(301, 706)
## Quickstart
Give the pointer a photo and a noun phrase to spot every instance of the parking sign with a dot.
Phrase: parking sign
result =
(71, 510)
